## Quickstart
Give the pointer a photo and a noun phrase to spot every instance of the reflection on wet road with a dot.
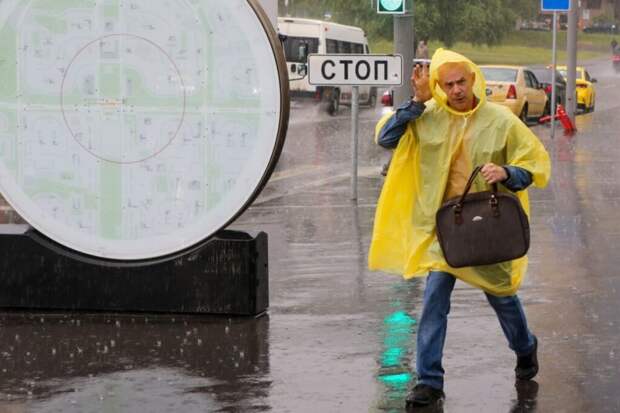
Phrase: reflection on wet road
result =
(339, 338)
(114, 363)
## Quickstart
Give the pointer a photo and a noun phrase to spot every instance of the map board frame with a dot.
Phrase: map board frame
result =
(260, 176)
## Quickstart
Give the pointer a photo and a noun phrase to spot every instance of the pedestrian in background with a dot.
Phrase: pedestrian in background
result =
(439, 135)
(422, 50)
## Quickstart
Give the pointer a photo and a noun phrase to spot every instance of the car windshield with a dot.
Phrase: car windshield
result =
(497, 74)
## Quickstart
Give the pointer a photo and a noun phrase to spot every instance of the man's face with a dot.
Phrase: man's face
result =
(457, 82)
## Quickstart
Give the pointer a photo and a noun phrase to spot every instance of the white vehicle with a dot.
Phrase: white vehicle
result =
(302, 37)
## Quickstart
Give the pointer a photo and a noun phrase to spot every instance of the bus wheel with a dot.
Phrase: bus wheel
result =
(334, 104)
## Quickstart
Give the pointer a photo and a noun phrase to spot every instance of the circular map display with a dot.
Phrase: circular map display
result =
(134, 129)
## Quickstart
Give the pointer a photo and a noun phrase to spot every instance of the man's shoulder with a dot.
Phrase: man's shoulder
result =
(498, 113)
(500, 110)
(432, 108)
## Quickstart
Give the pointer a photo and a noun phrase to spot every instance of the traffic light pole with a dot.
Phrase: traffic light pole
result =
(404, 45)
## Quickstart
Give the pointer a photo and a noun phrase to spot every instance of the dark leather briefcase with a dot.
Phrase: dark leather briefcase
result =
(482, 228)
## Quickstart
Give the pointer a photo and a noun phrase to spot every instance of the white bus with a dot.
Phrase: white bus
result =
(316, 36)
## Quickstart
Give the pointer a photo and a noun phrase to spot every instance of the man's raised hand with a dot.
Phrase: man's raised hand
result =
(420, 83)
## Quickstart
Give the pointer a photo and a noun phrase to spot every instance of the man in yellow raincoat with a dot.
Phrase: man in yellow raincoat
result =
(439, 137)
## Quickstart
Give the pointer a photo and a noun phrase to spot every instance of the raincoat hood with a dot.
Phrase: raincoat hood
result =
(443, 56)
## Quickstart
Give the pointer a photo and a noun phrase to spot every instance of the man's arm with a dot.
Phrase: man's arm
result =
(512, 177)
(518, 178)
(395, 127)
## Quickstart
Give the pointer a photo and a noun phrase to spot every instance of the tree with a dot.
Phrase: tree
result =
(475, 21)
(525, 9)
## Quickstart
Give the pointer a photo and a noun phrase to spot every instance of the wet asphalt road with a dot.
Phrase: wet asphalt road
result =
(337, 337)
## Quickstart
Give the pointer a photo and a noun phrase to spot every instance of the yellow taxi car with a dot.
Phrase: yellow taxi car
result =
(586, 94)
(517, 88)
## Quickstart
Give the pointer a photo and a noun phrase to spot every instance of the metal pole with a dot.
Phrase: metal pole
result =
(554, 65)
(354, 139)
(404, 45)
(571, 67)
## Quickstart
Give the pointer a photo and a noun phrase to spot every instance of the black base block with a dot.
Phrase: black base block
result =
(227, 274)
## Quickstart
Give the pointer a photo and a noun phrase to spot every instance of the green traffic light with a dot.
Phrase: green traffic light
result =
(394, 6)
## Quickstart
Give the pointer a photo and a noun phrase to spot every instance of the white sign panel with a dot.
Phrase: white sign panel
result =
(355, 69)
(136, 129)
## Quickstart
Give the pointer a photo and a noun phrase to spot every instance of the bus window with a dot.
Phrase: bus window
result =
(358, 48)
(344, 47)
(292, 47)
(331, 46)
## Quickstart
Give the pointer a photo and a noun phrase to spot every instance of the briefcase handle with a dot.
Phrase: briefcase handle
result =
(458, 208)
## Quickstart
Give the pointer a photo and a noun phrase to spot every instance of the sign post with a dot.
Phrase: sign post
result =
(355, 70)
(554, 6)
(354, 138)
(554, 62)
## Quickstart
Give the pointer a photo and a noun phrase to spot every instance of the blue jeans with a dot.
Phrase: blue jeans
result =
(434, 322)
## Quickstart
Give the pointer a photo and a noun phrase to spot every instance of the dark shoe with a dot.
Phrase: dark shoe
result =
(527, 365)
(424, 395)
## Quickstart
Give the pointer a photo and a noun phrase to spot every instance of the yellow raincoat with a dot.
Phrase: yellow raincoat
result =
(442, 145)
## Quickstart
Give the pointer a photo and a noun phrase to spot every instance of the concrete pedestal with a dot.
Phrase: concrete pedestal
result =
(227, 274)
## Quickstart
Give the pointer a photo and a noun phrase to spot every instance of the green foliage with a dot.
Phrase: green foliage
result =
(475, 21)
(524, 9)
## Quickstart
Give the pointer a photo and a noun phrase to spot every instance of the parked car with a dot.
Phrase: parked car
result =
(543, 75)
(387, 99)
(517, 88)
(535, 25)
(586, 94)
(602, 27)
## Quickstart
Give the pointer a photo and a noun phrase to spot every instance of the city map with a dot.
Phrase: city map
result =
(133, 120)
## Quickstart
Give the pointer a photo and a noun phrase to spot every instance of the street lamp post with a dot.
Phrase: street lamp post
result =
(571, 69)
